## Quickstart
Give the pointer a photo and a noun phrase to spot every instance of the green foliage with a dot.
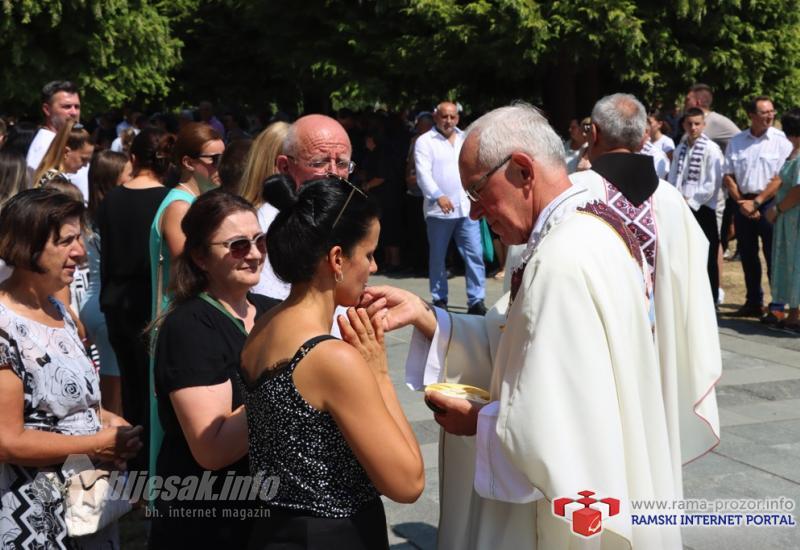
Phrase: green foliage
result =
(115, 50)
(307, 55)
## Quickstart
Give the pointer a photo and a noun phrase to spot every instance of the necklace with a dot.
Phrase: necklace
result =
(189, 189)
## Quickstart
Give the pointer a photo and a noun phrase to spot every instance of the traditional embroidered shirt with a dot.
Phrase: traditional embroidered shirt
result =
(697, 172)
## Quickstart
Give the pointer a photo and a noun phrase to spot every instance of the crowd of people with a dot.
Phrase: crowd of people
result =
(180, 296)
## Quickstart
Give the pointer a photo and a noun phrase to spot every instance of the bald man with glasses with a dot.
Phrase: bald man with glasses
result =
(316, 145)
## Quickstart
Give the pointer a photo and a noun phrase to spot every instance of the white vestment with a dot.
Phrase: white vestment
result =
(573, 366)
(687, 338)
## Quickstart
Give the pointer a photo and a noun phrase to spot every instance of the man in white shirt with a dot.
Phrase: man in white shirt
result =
(570, 408)
(61, 101)
(446, 208)
(753, 157)
(697, 173)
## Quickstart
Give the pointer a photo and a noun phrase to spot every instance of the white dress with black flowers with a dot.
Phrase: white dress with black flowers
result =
(61, 394)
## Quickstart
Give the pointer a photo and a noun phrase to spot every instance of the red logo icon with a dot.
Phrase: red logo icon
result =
(586, 512)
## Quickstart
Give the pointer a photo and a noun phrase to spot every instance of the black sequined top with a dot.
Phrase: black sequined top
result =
(317, 472)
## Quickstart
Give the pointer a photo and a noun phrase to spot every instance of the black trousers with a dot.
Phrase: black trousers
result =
(125, 328)
(747, 233)
(727, 218)
(366, 530)
(707, 219)
(415, 253)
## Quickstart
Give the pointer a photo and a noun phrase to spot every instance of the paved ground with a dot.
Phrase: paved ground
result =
(758, 457)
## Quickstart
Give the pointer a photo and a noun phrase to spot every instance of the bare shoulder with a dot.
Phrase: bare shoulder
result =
(176, 207)
(337, 363)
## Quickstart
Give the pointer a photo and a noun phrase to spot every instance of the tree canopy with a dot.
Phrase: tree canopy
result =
(115, 50)
(316, 54)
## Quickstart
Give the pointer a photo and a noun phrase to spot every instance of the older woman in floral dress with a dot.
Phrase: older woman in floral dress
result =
(49, 388)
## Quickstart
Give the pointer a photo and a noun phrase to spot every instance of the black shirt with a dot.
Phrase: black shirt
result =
(123, 220)
(198, 345)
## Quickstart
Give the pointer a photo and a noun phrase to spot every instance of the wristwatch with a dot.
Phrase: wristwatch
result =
(756, 203)
(778, 209)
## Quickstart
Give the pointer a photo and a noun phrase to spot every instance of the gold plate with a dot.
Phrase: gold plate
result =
(461, 391)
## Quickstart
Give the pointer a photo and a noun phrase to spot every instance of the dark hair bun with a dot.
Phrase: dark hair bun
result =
(326, 212)
(280, 191)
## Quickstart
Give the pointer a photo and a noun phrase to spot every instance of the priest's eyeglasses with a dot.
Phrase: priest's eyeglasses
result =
(474, 191)
(353, 189)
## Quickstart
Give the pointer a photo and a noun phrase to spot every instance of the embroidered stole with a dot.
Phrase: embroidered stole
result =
(640, 221)
(617, 222)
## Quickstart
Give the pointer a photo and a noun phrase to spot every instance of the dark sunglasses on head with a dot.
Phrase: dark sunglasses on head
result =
(215, 158)
(239, 247)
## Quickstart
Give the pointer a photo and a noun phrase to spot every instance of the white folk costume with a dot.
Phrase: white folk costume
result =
(697, 172)
(687, 339)
(576, 394)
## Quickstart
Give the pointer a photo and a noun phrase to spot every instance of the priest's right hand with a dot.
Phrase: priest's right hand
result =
(399, 308)
(460, 416)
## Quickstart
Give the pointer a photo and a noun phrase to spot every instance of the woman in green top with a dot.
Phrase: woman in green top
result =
(197, 152)
(785, 214)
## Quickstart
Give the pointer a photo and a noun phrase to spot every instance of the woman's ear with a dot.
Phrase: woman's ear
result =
(198, 259)
(336, 259)
(186, 163)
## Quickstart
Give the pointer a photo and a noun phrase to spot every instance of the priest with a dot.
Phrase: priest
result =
(676, 251)
(567, 356)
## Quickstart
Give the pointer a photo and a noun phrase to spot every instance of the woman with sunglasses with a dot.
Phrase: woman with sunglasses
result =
(323, 415)
(197, 152)
(196, 360)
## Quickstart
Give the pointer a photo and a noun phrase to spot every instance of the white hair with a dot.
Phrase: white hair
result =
(290, 144)
(516, 127)
(621, 119)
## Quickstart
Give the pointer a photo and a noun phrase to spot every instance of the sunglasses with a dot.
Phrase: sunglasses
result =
(215, 158)
(239, 247)
(353, 189)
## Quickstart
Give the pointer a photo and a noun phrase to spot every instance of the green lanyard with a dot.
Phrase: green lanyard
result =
(239, 324)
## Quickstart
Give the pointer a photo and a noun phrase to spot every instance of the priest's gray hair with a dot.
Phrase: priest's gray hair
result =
(516, 127)
(622, 121)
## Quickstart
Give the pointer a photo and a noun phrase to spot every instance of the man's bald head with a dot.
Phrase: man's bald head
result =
(446, 117)
(314, 146)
